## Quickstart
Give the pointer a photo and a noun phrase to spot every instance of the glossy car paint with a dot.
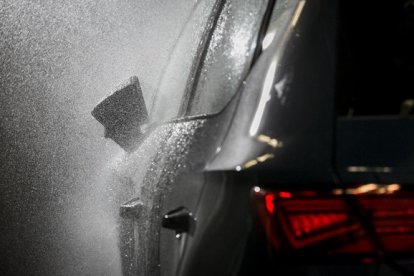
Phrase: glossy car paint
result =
(281, 128)
(281, 123)
(197, 146)
(251, 126)
(169, 151)
(287, 97)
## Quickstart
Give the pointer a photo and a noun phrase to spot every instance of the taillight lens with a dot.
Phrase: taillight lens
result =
(369, 220)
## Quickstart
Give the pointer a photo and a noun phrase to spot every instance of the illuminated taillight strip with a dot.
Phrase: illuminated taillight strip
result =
(353, 223)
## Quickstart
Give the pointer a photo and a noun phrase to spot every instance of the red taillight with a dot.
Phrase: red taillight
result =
(303, 224)
(370, 220)
(285, 195)
(270, 206)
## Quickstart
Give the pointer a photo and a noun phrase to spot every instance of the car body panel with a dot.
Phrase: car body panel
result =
(198, 144)
(280, 128)
(286, 109)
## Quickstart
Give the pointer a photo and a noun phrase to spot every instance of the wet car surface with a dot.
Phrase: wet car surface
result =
(227, 112)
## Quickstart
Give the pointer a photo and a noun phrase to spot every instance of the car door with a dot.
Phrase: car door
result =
(187, 121)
